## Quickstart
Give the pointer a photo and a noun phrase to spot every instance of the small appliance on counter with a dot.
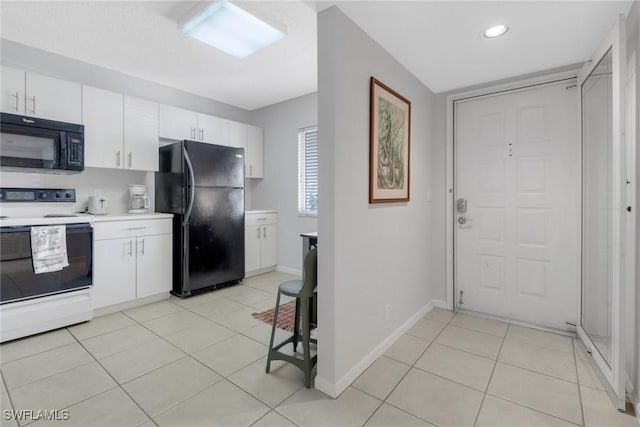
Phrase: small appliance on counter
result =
(138, 199)
(98, 204)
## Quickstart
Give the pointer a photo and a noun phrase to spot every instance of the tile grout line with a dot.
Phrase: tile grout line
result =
(533, 409)
(273, 410)
(118, 385)
(412, 366)
(495, 364)
(575, 362)
(221, 375)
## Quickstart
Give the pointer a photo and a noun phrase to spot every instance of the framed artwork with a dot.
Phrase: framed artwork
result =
(389, 135)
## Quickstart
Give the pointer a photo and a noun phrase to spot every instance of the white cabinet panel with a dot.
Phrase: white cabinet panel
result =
(154, 256)
(53, 99)
(137, 266)
(141, 134)
(178, 123)
(213, 130)
(103, 119)
(269, 247)
(252, 248)
(114, 272)
(238, 135)
(13, 85)
(261, 241)
(254, 153)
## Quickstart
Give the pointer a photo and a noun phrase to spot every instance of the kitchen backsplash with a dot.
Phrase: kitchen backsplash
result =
(114, 184)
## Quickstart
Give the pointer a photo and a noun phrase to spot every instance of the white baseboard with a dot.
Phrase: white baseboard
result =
(438, 303)
(334, 389)
(288, 270)
(130, 304)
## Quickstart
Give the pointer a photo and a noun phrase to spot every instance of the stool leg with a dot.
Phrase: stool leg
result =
(306, 335)
(273, 332)
(296, 326)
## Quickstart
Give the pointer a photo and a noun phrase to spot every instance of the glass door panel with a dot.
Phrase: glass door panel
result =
(600, 323)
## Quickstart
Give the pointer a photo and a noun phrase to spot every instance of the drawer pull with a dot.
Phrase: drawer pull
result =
(262, 219)
(136, 228)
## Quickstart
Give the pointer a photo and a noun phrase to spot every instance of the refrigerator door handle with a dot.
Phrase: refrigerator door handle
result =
(192, 181)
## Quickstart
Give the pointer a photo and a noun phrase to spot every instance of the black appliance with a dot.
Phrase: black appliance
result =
(203, 186)
(18, 281)
(30, 144)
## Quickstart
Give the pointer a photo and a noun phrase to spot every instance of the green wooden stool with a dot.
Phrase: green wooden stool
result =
(302, 291)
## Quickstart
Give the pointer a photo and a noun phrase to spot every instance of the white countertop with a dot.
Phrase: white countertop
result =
(261, 212)
(131, 217)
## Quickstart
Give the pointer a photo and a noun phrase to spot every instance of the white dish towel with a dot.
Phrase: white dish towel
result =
(49, 248)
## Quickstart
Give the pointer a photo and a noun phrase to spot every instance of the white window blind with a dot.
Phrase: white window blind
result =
(308, 171)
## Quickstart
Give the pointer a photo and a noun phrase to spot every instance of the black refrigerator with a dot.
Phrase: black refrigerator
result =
(203, 186)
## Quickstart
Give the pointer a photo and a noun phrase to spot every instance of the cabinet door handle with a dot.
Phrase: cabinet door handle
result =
(118, 158)
(130, 247)
(258, 232)
(250, 170)
(129, 159)
(264, 232)
(193, 132)
(17, 101)
(142, 248)
(201, 134)
(33, 98)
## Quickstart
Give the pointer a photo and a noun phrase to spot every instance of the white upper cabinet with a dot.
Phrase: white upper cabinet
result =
(178, 123)
(213, 130)
(254, 152)
(53, 99)
(140, 134)
(238, 135)
(103, 119)
(12, 86)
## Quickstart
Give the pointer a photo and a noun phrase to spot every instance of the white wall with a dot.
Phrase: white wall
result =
(369, 255)
(279, 187)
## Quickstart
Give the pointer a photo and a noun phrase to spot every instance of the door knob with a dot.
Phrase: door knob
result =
(462, 220)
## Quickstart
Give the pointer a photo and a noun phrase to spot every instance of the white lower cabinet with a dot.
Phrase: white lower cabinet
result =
(260, 241)
(132, 259)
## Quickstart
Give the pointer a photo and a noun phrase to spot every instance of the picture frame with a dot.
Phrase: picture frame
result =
(389, 144)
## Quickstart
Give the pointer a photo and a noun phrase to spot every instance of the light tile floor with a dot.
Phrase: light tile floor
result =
(200, 361)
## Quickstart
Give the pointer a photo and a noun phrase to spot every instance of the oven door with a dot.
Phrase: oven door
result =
(29, 147)
(19, 282)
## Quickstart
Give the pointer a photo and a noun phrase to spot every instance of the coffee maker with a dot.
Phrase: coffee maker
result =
(138, 199)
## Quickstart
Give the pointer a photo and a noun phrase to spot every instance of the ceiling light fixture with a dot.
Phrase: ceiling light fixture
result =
(231, 29)
(495, 31)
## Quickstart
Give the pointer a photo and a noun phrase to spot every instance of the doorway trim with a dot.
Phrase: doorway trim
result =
(568, 76)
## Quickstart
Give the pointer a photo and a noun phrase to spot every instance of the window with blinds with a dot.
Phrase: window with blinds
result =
(308, 171)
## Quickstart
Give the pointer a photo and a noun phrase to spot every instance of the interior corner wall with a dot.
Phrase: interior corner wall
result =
(370, 256)
(279, 187)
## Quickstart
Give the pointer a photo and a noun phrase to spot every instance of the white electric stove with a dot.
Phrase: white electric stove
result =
(32, 302)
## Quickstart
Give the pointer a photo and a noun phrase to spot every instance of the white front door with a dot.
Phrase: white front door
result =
(517, 175)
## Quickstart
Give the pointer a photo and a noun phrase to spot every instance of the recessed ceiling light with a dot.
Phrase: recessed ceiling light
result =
(231, 29)
(495, 31)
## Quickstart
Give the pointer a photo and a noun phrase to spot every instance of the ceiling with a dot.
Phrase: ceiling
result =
(141, 38)
(440, 42)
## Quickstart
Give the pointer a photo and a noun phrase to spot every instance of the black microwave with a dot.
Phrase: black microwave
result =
(30, 144)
